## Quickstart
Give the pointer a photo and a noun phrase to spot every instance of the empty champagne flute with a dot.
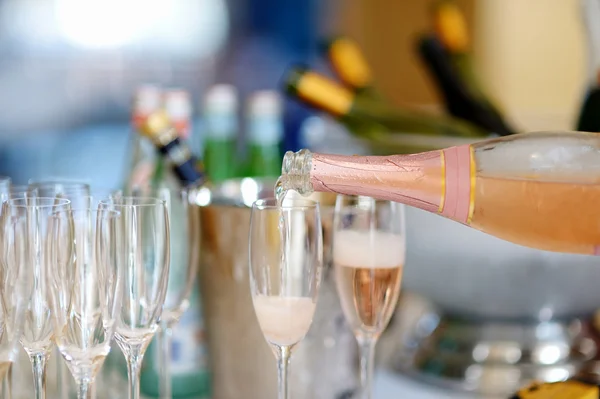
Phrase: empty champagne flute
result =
(85, 289)
(368, 257)
(8, 190)
(143, 256)
(286, 260)
(184, 228)
(5, 184)
(29, 228)
(14, 295)
(76, 192)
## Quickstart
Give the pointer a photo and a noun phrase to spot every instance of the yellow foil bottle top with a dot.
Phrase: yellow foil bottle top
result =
(350, 63)
(156, 125)
(451, 27)
(560, 390)
(325, 94)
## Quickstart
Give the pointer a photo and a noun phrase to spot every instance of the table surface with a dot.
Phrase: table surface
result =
(393, 386)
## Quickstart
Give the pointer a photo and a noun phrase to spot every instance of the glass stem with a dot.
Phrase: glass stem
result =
(7, 384)
(83, 390)
(367, 364)
(38, 362)
(134, 365)
(165, 336)
(62, 376)
(283, 362)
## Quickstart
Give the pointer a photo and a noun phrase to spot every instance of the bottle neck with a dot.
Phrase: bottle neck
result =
(417, 180)
(296, 172)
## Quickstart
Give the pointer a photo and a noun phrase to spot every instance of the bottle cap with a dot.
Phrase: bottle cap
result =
(146, 100)
(266, 102)
(157, 127)
(221, 98)
(178, 106)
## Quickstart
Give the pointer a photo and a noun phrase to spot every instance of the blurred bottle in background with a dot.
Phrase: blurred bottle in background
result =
(264, 124)
(146, 100)
(178, 106)
(221, 130)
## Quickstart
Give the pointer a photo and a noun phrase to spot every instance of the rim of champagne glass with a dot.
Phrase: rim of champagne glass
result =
(155, 189)
(17, 194)
(99, 193)
(58, 182)
(271, 203)
(111, 212)
(21, 188)
(48, 202)
(139, 201)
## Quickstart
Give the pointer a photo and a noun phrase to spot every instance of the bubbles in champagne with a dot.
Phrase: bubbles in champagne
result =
(280, 193)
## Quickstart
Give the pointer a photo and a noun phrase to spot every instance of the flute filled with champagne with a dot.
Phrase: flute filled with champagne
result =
(540, 190)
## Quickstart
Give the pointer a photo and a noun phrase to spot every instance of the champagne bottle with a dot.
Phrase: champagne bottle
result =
(146, 100)
(221, 130)
(365, 117)
(165, 137)
(350, 65)
(538, 189)
(178, 107)
(451, 29)
(458, 98)
(265, 132)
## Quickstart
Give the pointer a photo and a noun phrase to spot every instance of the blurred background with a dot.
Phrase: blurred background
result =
(69, 67)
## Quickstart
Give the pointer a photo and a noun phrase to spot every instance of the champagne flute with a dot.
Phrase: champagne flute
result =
(85, 289)
(29, 229)
(142, 254)
(286, 260)
(184, 229)
(5, 184)
(368, 257)
(71, 190)
(8, 190)
(14, 295)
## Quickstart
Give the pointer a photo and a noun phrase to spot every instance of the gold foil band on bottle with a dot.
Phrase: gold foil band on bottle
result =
(443, 194)
(458, 174)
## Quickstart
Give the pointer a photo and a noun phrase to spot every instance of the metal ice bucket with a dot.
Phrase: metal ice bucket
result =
(324, 365)
(471, 274)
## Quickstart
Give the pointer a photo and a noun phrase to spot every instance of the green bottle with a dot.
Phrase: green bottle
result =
(220, 133)
(265, 132)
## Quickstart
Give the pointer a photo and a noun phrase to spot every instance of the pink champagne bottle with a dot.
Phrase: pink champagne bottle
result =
(540, 190)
